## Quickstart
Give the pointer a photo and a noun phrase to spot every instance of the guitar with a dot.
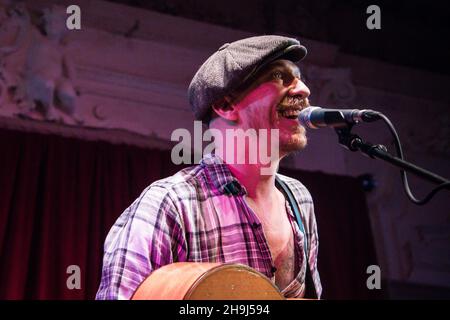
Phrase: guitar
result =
(206, 281)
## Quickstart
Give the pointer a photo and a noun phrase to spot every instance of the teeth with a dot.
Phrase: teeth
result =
(293, 100)
(290, 113)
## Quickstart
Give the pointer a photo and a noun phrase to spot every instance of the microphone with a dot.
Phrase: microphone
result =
(317, 117)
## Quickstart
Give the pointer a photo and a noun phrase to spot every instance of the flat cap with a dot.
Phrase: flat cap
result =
(233, 64)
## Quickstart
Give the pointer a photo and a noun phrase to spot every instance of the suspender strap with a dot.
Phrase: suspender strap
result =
(310, 291)
(293, 203)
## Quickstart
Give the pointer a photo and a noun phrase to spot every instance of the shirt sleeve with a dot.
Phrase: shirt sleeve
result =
(147, 236)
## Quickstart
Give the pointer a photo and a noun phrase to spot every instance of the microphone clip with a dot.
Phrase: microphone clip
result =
(353, 142)
(348, 139)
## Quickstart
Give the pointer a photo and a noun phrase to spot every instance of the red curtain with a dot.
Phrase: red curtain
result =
(60, 196)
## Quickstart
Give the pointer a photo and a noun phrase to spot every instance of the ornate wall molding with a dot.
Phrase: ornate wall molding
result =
(330, 86)
(111, 73)
(39, 73)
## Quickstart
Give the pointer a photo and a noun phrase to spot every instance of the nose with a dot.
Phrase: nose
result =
(299, 88)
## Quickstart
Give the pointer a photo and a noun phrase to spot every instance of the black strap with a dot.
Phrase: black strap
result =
(293, 203)
(310, 291)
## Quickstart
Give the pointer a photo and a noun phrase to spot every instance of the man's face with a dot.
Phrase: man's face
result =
(274, 101)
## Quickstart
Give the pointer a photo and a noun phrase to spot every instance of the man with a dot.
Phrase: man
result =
(224, 210)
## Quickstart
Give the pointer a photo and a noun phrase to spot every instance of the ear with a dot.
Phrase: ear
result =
(226, 109)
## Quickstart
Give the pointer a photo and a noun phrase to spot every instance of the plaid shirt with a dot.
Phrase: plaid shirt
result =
(199, 214)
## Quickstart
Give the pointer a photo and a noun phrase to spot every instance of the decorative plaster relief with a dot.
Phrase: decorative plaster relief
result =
(330, 86)
(37, 70)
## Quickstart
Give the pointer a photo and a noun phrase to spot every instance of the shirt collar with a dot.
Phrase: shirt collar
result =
(223, 180)
(220, 175)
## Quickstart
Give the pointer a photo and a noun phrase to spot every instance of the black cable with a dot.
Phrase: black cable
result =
(399, 150)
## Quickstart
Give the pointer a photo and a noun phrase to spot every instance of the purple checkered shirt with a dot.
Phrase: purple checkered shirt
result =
(200, 215)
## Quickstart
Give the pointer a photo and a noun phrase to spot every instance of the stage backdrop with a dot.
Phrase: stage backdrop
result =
(60, 196)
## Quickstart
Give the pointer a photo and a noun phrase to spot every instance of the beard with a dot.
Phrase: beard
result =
(292, 141)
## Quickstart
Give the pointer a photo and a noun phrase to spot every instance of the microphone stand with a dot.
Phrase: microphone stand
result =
(353, 142)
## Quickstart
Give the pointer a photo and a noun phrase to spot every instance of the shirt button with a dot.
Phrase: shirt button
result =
(273, 269)
(256, 225)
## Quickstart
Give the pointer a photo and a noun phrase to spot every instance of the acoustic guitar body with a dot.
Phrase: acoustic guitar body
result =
(206, 281)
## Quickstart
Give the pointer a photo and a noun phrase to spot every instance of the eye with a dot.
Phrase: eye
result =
(277, 75)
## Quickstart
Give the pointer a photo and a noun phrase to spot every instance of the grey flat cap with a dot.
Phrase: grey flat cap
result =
(233, 64)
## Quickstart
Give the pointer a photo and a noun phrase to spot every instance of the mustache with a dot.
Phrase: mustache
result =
(293, 103)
